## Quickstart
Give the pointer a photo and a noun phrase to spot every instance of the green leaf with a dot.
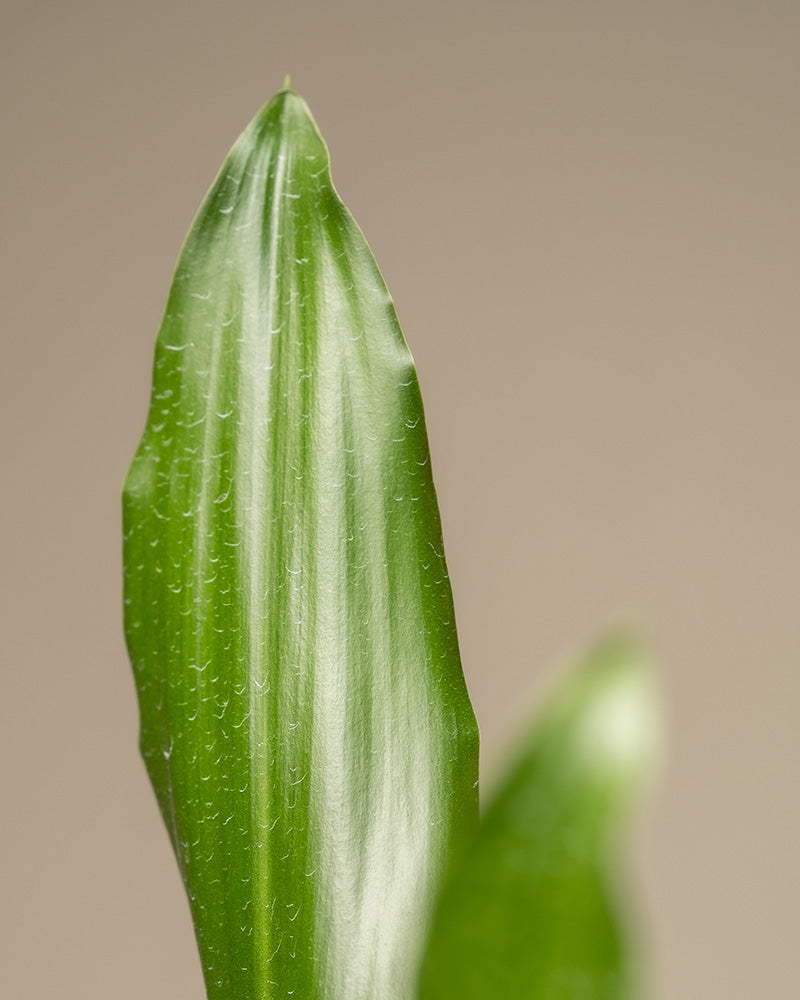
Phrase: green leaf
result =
(304, 718)
(532, 911)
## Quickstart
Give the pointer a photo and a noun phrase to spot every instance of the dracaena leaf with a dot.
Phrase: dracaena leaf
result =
(304, 718)
(533, 911)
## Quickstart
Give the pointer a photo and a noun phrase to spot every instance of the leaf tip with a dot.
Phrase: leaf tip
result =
(617, 729)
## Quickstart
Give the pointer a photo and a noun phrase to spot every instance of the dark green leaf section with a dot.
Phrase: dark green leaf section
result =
(304, 718)
(533, 912)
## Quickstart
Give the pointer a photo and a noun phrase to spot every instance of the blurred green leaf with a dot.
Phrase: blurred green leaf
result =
(532, 912)
(304, 718)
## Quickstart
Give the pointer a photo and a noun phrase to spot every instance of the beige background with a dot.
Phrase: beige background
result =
(587, 213)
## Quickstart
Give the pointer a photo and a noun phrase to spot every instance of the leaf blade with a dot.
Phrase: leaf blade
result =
(288, 615)
(533, 909)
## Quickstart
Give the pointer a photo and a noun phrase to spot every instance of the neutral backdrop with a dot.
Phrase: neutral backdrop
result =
(588, 215)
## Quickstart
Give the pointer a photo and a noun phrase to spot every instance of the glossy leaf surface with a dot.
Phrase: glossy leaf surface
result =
(533, 911)
(304, 718)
